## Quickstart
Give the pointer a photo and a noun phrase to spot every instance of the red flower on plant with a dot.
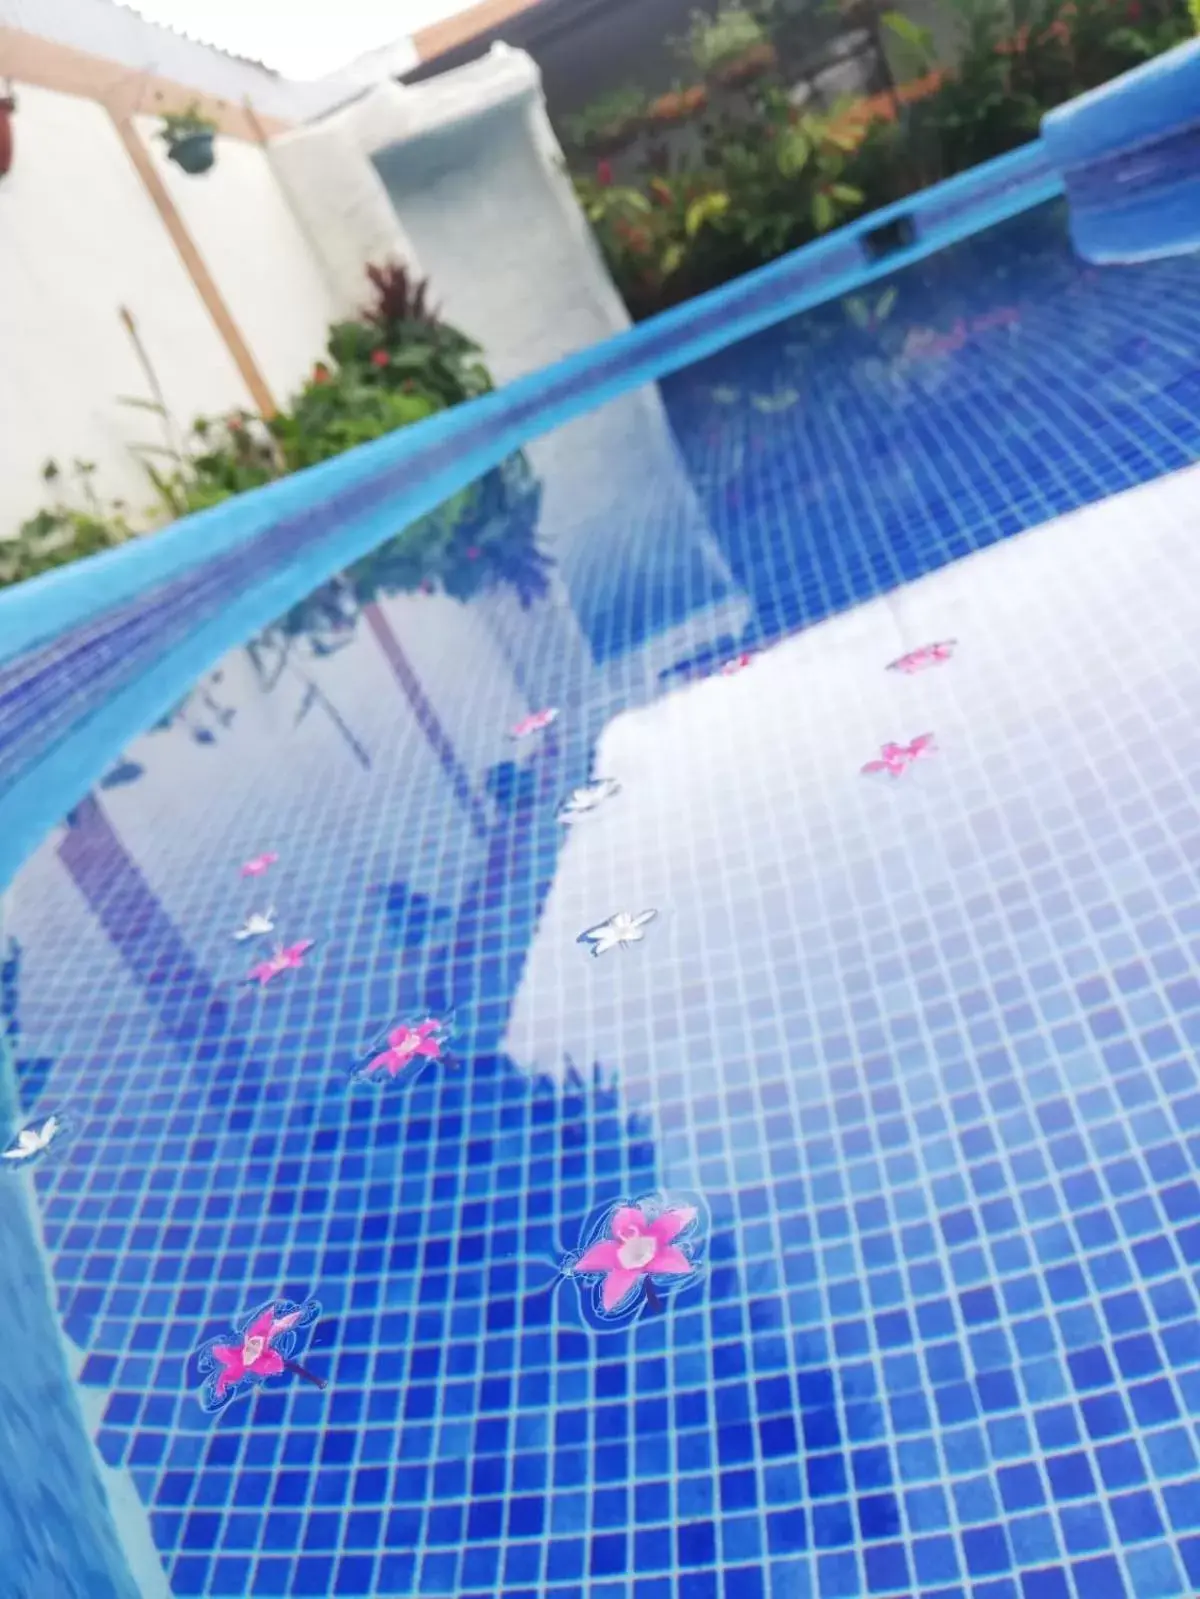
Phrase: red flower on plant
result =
(380, 358)
(1133, 11)
(320, 373)
(604, 174)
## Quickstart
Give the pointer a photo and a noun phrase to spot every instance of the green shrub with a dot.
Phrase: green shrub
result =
(396, 364)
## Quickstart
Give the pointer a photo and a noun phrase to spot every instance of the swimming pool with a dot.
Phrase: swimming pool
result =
(903, 1066)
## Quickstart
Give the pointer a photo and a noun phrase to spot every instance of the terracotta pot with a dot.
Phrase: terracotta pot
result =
(757, 60)
(7, 107)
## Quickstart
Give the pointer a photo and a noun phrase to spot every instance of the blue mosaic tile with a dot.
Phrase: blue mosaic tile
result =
(921, 1044)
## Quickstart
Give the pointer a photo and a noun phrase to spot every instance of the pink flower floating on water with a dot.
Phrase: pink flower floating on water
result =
(640, 1247)
(895, 759)
(283, 960)
(533, 723)
(920, 660)
(267, 1338)
(260, 864)
(406, 1044)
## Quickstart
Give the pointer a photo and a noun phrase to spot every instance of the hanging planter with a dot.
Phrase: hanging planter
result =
(189, 138)
(8, 104)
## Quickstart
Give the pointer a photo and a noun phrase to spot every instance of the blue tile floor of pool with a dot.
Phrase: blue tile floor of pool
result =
(919, 1050)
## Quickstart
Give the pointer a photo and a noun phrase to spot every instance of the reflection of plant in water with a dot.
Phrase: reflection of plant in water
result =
(412, 917)
(482, 538)
(122, 774)
(273, 653)
(200, 712)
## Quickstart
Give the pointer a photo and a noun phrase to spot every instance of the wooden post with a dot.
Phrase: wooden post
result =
(193, 263)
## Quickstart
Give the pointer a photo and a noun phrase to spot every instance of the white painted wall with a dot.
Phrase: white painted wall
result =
(462, 176)
(253, 245)
(79, 237)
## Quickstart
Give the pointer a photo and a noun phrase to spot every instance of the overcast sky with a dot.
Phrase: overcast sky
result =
(301, 38)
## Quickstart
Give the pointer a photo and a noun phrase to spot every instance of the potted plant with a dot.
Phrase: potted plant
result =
(188, 136)
(609, 123)
(730, 47)
(8, 104)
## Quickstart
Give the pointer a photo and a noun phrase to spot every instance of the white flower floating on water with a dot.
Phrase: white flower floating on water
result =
(256, 925)
(32, 1142)
(622, 929)
(583, 801)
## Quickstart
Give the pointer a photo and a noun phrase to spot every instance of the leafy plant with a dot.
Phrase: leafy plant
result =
(769, 178)
(760, 191)
(400, 342)
(64, 531)
(339, 409)
(915, 43)
(608, 121)
(180, 125)
(395, 365)
(715, 41)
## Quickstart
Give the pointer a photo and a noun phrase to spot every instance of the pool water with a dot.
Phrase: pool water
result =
(903, 1068)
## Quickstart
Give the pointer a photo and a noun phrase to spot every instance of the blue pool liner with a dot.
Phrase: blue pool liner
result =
(338, 511)
(1129, 155)
(369, 492)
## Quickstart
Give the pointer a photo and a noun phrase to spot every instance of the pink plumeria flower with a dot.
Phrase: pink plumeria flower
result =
(895, 759)
(260, 864)
(739, 663)
(639, 1248)
(256, 1356)
(533, 723)
(261, 1346)
(406, 1044)
(283, 960)
(920, 660)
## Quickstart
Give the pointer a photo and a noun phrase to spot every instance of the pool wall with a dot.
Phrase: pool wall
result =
(56, 1527)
